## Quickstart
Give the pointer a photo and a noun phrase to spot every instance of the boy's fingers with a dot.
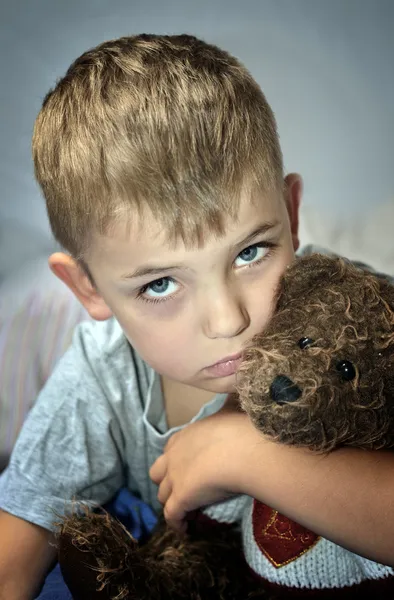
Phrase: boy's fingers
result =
(158, 469)
(175, 515)
(170, 442)
(164, 491)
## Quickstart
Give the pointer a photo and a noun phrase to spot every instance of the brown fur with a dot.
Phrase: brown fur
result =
(101, 560)
(349, 314)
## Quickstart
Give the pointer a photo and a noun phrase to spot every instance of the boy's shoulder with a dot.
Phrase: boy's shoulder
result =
(104, 348)
(309, 249)
(101, 337)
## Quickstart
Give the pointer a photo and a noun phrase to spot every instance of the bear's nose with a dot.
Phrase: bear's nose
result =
(283, 390)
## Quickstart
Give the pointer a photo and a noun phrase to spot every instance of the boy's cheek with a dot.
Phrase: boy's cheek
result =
(262, 301)
(161, 349)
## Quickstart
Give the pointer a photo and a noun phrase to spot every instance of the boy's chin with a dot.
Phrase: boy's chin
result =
(221, 385)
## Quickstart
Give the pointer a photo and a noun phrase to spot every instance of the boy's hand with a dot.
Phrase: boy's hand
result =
(204, 463)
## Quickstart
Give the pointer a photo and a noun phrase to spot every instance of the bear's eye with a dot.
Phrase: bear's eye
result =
(346, 370)
(304, 342)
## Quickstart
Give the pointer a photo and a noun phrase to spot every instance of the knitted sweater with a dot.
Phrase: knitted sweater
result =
(297, 562)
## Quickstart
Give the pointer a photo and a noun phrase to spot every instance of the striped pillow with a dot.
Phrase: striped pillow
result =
(34, 333)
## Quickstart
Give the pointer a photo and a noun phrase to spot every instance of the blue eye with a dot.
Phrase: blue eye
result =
(160, 288)
(253, 254)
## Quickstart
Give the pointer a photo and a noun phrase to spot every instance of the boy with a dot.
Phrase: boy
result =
(162, 171)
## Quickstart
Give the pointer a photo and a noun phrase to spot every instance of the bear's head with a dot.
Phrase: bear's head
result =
(321, 375)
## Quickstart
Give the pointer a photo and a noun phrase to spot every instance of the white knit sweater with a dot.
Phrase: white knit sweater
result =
(285, 554)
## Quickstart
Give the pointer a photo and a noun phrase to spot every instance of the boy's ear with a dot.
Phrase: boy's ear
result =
(293, 196)
(72, 274)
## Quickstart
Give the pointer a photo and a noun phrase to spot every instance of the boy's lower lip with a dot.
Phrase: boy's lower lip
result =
(224, 369)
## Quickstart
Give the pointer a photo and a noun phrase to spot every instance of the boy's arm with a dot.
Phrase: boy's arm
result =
(70, 449)
(25, 556)
(346, 496)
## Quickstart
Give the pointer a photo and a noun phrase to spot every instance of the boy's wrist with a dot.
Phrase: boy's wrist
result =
(258, 466)
(248, 456)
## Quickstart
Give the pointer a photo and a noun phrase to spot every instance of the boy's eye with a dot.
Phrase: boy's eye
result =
(160, 288)
(253, 254)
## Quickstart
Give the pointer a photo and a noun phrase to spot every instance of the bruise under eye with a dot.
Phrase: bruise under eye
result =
(304, 342)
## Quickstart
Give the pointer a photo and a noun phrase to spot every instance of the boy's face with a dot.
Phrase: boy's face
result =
(197, 306)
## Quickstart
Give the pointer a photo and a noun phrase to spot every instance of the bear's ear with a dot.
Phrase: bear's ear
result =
(308, 272)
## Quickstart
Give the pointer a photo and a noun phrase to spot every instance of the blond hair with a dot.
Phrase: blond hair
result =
(165, 122)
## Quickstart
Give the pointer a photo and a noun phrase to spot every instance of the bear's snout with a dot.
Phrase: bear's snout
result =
(283, 390)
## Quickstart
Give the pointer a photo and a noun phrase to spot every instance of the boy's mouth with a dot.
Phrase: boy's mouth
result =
(225, 367)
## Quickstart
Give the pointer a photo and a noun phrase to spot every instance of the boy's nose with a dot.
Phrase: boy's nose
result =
(226, 318)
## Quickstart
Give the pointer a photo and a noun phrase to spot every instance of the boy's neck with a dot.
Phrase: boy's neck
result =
(182, 402)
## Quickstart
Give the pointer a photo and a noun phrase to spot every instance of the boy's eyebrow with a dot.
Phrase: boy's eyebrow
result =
(146, 270)
(260, 230)
(142, 271)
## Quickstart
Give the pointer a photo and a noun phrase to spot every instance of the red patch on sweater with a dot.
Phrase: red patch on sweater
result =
(280, 539)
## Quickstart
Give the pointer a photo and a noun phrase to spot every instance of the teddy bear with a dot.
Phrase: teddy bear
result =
(320, 376)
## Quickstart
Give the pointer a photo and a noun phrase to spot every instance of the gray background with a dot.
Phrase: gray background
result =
(326, 67)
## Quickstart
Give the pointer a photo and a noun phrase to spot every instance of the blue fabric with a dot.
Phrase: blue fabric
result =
(135, 515)
(54, 587)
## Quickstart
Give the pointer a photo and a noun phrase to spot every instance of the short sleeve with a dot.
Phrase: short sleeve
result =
(70, 446)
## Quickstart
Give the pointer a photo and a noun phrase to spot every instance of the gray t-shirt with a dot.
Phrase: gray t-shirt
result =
(98, 425)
